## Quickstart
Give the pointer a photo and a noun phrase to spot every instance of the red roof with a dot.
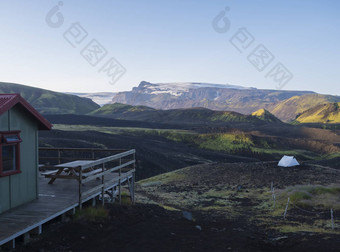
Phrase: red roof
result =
(8, 101)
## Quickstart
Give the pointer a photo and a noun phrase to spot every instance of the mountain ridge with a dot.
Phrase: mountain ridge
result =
(183, 115)
(289, 109)
(241, 100)
(324, 113)
(50, 102)
(265, 115)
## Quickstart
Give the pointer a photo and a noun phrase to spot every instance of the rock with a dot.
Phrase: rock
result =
(187, 215)
(279, 238)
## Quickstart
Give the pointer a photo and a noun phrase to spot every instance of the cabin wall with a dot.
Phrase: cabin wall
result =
(4, 181)
(21, 188)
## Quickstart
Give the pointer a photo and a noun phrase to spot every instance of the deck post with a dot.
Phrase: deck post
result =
(37, 230)
(133, 178)
(59, 157)
(103, 189)
(26, 238)
(119, 183)
(80, 187)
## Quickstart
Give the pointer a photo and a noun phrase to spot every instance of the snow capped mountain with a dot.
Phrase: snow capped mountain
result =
(196, 94)
(178, 88)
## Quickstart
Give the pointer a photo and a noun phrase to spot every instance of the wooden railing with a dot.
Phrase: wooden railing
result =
(128, 175)
(53, 156)
(117, 169)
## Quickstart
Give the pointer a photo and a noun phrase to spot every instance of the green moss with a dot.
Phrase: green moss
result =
(318, 197)
(92, 213)
(126, 199)
(324, 190)
(298, 196)
(305, 228)
(162, 179)
(224, 142)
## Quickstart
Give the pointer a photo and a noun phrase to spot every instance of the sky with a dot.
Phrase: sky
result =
(111, 45)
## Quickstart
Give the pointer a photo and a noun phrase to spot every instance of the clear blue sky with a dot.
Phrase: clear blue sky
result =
(170, 41)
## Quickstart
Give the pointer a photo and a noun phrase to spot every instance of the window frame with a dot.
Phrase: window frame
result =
(4, 142)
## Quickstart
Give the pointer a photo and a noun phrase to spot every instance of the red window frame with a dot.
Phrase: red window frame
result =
(5, 142)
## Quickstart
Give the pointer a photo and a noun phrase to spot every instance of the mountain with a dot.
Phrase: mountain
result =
(100, 98)
(287, 110)
(173, 116)
(49, 102)
(325, 113)
(265, 115)
(212, 96)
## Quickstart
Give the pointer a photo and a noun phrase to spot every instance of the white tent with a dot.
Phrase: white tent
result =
(288, 161)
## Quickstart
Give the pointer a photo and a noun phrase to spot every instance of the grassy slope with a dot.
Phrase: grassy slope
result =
(49, 102)
(265, 115)
(232, 142)
(287, 110)
(193, 115)
(326, 113)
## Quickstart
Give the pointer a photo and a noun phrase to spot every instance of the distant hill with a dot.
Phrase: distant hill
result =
(177, 116)
(287, 110)
(265, 115)
(121, 111)
(49, 102)
(325, 113)
(212, 96)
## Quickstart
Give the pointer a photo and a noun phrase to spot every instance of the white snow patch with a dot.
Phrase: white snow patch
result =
(178, 88)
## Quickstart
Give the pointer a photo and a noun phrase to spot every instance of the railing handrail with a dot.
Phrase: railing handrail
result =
(119, 154)
(106, 170)
(80, 149)
(103, 173)
(58, 155)
(108, 159)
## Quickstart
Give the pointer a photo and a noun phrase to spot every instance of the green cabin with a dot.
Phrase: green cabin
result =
(19, 125)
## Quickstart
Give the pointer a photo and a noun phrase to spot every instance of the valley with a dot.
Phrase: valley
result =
(219, 167)
(184, 138)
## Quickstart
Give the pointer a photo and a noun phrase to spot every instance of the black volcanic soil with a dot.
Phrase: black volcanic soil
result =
(148, 227)
(152, 228)
(155, 154)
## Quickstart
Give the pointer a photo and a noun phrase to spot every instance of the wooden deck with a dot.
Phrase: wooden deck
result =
(54, 200)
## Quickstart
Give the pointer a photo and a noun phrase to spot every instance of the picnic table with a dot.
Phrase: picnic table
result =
(70, 170)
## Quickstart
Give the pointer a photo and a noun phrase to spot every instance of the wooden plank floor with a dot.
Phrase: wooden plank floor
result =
(53, 201)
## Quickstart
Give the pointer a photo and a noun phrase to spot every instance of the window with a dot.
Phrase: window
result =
(9, 153)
